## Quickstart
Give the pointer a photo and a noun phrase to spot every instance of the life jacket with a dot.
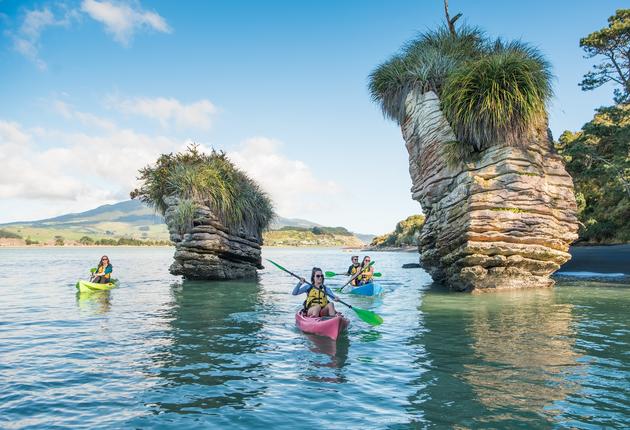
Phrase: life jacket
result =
(100, 271)
(315, 296)
(353, 271)
(365, 277)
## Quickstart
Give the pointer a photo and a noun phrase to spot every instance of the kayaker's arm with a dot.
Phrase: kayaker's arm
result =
(330, 294)
(300, 290)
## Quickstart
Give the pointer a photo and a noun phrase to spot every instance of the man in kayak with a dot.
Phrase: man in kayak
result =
(354, 267)
(316, 303)
(367, 273)
(103, 272)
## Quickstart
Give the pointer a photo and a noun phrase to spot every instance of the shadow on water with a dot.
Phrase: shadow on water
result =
(208, 359)
(494, 360)
(94, 303)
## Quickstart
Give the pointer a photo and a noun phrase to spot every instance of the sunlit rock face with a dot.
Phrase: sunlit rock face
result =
(208, 249)
(504, 220)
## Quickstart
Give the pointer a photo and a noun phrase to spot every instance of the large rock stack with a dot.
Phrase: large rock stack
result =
(207, 249)
(503, 220)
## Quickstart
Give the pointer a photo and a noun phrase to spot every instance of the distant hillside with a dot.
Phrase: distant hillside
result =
(405, 234)
(133, 219)
(281, 222)
(129, 219)
(290, 236)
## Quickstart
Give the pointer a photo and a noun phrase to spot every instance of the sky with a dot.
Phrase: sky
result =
(94, 90)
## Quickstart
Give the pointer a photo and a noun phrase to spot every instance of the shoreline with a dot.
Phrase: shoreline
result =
(83, 246)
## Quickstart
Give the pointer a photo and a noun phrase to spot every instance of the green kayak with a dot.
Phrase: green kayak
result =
(87, 287)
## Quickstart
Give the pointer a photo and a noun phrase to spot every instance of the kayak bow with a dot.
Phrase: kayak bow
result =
(323, 326)
(88, 287)
(369, 289)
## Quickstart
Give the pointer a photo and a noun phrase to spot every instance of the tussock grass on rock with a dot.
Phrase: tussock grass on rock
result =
(210, 179)
(491, 91)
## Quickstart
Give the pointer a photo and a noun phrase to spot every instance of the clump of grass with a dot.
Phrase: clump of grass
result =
(184, 215)
(527, 173)
(491, 91)
(211, 179)
(513, 210)
(424, 64)
(498, 97)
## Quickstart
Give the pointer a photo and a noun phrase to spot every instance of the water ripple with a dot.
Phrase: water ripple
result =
(158, 352)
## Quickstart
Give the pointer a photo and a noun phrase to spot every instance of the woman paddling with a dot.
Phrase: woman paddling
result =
(367, 272)
(316, 303)
(103, 272)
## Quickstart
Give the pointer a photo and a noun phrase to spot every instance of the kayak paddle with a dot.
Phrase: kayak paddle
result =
(331, 274)
(356, 275)
(367, 316)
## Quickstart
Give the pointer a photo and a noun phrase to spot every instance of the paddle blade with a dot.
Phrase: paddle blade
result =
(368, 316)
(330, 274)
(378, 275)
(277, 265)
(93, 269)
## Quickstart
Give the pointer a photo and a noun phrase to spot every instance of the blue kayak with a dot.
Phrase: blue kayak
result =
(370, 289)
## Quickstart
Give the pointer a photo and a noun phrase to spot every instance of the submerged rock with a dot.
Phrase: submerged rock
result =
(502, 220)
(207, 249)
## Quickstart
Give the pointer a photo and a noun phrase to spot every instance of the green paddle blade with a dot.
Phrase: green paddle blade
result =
(277, 265)
(93, 269)
(330, 274)
(368, 316)
(378, 274)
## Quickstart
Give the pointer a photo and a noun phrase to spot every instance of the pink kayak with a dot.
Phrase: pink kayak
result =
(323, 326)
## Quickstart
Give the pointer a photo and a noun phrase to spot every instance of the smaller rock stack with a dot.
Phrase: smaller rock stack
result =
(208, 249)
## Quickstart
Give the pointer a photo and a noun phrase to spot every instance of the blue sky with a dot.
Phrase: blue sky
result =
(93, 90)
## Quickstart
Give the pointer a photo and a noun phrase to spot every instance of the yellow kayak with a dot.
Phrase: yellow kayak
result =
(87, 286)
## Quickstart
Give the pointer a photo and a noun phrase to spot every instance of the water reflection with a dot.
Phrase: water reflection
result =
(509, 358)
(336, 355)
(95, 302)
(210, 360)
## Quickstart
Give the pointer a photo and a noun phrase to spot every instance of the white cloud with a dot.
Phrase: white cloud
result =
(84, 118)
(26, 40)
(293, 186)
(99, 168)
(32, 174)
(168, 111)
(121, 20)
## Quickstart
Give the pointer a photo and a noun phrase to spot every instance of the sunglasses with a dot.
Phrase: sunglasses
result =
(104, 259)
(319, 276)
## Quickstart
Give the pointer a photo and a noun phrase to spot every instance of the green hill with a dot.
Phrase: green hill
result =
(132, 219)
(129, 219)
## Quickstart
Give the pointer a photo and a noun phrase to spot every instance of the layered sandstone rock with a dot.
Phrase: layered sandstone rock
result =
(210, 250)
(504, 220)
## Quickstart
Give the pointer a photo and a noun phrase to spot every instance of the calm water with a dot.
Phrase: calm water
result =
(161, 353)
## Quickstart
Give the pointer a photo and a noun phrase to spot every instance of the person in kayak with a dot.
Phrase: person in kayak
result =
(316, 303)
(367, 274)
(103, 272)
(354, 267)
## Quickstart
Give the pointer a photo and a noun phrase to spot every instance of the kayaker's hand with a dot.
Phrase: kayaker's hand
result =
(303, 281)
